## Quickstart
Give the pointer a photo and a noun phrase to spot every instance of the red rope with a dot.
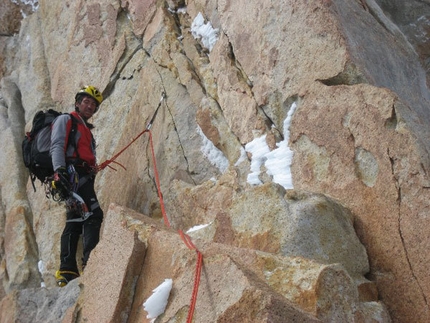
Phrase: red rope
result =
(199, 264)
(184, 237)
(157, 181)
(187, 240)
(112, 160)
(197, 274)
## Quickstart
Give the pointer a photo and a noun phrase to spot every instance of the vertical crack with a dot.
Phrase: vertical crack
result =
(165, 103)
(399, 223)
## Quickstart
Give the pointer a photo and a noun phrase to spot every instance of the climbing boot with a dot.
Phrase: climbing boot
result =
(63, 277)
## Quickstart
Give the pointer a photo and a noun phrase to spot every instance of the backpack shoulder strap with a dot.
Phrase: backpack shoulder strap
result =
(72, 134)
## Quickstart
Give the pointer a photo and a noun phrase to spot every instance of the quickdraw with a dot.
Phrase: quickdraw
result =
(148, 126)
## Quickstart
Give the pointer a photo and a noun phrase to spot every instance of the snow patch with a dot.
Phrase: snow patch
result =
(157, 302)
(34, 4)
(182, 11)
(242, 157)
(205, 32)
(198, 227)
(212, 153)
(259, 149)
(277, 162)
(41, 267)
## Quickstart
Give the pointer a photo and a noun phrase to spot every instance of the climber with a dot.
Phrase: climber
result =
(75, 169)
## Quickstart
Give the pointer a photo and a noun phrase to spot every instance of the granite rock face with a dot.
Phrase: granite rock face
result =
(331, 94)
(412, 18)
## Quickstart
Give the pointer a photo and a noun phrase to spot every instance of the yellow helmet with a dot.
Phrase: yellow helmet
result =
(92, 91)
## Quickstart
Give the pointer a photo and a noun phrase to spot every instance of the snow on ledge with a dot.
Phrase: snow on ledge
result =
(212, 153)
(277, 162)
(157, 302)
(206, 32)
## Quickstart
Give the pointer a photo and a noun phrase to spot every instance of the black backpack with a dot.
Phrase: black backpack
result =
(37, 143)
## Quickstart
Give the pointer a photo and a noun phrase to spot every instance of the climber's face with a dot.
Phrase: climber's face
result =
(87, 107)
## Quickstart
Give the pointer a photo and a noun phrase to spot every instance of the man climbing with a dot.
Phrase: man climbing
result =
(75, 168)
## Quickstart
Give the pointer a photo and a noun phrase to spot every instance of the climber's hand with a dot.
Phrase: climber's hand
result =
(62, 183)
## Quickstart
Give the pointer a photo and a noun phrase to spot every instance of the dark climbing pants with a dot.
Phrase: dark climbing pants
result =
(89, 229)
